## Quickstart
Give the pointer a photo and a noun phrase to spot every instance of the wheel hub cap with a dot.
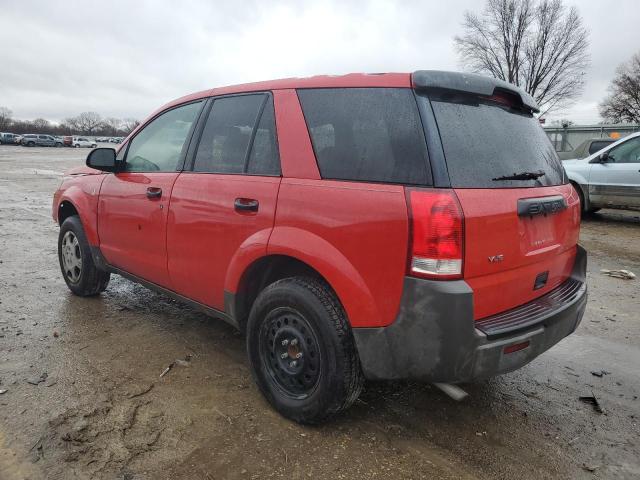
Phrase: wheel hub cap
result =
(71, 257)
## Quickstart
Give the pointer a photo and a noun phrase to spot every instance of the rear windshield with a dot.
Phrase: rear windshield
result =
(367, 134)
(484, 142)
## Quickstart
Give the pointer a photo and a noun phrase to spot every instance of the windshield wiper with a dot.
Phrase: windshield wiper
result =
(521, 176)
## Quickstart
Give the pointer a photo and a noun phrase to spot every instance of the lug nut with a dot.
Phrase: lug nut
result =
(293, 364)
(284, 355)
(299, 355)
(294, 341)
(285, 342)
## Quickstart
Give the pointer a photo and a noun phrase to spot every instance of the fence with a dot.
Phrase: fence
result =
(565, 139)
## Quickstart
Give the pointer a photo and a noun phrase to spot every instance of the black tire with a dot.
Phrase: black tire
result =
(58, 145)
(31, 144)
(328, 377)
(83, 278)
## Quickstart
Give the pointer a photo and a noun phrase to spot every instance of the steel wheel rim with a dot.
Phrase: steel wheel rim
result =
(290, 353)
(71, 257)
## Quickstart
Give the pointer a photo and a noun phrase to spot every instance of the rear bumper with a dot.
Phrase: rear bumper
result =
(435, 338)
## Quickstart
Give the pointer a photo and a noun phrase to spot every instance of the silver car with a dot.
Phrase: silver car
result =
(610, 177)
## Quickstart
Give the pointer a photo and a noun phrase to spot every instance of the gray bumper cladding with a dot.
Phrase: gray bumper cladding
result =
(435, 338)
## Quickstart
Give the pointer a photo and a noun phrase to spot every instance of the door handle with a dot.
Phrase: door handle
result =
(154, 192)
(246, 205)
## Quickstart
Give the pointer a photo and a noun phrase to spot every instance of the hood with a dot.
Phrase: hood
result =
(82, 170)
(574, 161)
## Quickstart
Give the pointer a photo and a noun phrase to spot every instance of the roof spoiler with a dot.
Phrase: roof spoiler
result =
(469, 83)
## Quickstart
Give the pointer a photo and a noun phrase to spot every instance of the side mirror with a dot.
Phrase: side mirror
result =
(602, 158)
(103, 159)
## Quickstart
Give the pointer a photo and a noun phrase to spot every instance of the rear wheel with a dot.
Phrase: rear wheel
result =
(301, 350)
(31, 144)
(78, 269)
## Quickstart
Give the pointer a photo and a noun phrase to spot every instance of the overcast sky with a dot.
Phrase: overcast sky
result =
(125, 59)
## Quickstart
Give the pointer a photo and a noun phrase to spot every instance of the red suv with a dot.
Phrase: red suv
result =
(386, 226)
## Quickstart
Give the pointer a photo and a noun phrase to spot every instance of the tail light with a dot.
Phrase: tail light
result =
(436, 249)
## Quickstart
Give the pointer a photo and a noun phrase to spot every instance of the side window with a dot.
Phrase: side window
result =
(627, 152)
(264, 158)
(367, 134)
(157, 147)
(599, 145)
(227, 134)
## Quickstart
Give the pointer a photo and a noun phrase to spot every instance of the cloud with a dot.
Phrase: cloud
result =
(125, 59)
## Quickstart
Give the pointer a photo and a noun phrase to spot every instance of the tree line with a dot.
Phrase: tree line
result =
(87, 123)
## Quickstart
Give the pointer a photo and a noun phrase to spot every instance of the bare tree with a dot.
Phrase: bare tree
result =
(88, 122)
(538, 45)
(112, 125)
(128, 125)
(72, 124)
(5, 118)
(623, 102)
(41, 125)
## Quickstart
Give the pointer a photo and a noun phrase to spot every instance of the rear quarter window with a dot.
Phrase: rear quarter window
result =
(367, 134)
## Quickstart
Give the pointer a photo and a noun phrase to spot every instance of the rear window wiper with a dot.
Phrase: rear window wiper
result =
(521, 176)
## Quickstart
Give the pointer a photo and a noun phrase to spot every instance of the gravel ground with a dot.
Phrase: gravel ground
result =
(97, 409)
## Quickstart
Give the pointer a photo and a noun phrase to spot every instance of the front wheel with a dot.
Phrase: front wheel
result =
(301, 350)
(76, 262)
(583, 209)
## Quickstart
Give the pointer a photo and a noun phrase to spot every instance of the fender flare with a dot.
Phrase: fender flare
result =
(322, 256)
(87, 211)
(252, 249)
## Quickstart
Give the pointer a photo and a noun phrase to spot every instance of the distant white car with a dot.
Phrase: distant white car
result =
(609, 177)
(83, 142)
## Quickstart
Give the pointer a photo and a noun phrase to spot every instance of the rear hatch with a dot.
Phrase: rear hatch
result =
(521, 216)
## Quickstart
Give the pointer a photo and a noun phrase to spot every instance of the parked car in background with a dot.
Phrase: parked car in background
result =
(59, 141)
(67, 141)
(355, 240)
(84, 142)
(33, 140)
(18, 139)
(586, 148)
(29, 140)
(8, 138)
(609, 177)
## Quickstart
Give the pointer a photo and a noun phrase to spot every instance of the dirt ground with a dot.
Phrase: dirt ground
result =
(97, 409)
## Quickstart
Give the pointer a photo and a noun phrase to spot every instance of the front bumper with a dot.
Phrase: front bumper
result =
(435, 338)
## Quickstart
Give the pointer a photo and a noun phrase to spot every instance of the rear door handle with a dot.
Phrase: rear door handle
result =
(246, 205)
(154, 192)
